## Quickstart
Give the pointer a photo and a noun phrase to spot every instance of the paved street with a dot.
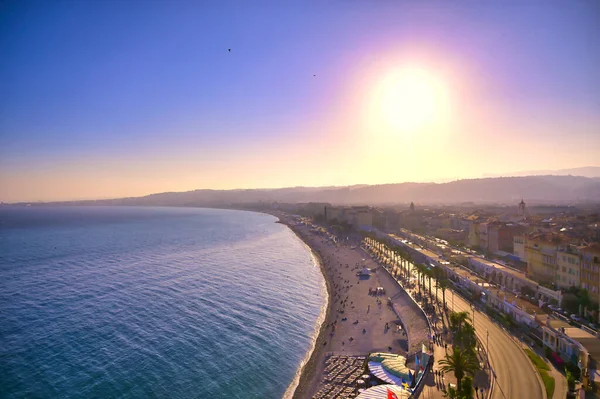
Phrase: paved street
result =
(515, 375)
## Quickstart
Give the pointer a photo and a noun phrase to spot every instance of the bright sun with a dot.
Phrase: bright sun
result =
(410, 101)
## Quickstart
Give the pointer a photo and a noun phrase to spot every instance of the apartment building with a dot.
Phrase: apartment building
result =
(540, 254)
(590, 271)
(573, 345)
(474, 222)
(483, 235)
(519, 247)
(567, 267)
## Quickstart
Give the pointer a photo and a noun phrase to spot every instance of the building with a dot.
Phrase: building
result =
(392, 220)
(314, 208)
(474, 222)
(590, 273)
(522, 210)
(379, 219)
(567, 267)
(520, 310)
(540, 254)
(519, 247)
(483, 235)
(333, 212)
(359, 217)
(572, 345)
(512, 280)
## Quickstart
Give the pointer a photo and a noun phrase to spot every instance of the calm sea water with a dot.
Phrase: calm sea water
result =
(124, 302)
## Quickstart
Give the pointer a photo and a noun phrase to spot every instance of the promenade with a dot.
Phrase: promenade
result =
(514, 375)
(357, 322)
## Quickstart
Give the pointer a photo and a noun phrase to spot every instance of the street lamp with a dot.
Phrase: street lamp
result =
(487, 345)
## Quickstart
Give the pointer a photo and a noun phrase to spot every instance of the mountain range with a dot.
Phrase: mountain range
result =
(585, 171)
(500, 190)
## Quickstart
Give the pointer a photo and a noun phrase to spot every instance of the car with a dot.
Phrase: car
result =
(575, 317)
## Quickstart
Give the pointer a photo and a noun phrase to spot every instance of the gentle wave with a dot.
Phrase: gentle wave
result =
(138, 302)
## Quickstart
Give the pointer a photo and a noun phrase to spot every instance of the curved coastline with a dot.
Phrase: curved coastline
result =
(304, 373)
(307, 377)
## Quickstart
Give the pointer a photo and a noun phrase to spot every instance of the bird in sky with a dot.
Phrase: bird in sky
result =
(229, 50)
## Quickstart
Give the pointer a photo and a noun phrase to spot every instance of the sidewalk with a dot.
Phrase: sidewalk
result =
(434, 385)
(560, 381)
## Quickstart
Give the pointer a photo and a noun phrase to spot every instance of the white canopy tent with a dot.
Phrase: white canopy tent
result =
(381, 392)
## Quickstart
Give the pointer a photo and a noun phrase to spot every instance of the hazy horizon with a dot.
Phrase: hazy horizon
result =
(558, 173)
(111, 100)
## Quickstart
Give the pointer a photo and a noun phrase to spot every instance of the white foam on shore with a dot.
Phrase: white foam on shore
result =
(289, 392)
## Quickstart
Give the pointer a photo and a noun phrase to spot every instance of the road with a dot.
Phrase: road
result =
(515, 376)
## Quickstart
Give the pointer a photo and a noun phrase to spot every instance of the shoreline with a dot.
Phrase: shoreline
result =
(357, 322)
(308, 378)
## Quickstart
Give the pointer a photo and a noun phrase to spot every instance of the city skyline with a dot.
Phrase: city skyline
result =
(115, 100)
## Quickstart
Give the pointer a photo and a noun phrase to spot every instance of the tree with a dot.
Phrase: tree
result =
(467, 336)
(437, 275)
(467, 388)
(418, 269)
(461, 363)
(451, 393)
(570, 380)
(457, 319)
(444, 284)
(429, 275)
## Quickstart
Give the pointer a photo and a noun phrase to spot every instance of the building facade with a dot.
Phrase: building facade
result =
(590, 273)
(572, 345)
(519, 247)
(567, 268)
(540, 253)
(473, 240)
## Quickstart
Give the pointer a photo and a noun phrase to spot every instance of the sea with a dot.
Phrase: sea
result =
(153, 302)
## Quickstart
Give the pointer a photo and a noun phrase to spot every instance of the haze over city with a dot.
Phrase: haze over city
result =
(116, 99)
(388, 199)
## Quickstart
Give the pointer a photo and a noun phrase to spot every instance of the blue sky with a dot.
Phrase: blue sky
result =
(108, 98)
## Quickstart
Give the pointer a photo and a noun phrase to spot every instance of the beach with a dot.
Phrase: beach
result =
(357, 321)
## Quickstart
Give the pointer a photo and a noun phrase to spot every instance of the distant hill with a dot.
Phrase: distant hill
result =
(542, 189)
(586, 171)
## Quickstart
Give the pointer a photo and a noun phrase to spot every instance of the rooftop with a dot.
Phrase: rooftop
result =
(518, 302)
(590, 342)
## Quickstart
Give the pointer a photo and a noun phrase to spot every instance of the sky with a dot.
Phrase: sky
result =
(104, 99)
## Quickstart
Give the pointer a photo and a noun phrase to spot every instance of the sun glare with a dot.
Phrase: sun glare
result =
(409, 101)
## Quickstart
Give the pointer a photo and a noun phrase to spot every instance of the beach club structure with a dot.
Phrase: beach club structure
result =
(383, 392)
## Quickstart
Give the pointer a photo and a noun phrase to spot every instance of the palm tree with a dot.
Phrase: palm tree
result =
(443, 284)
(467, 336)
(423, 274)
(437, 275)
(419, 270)
(461, 363)
(429, 275)
(457, 319)
(409, 261)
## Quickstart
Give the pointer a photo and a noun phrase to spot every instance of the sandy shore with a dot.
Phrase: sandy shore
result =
(356, 322)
